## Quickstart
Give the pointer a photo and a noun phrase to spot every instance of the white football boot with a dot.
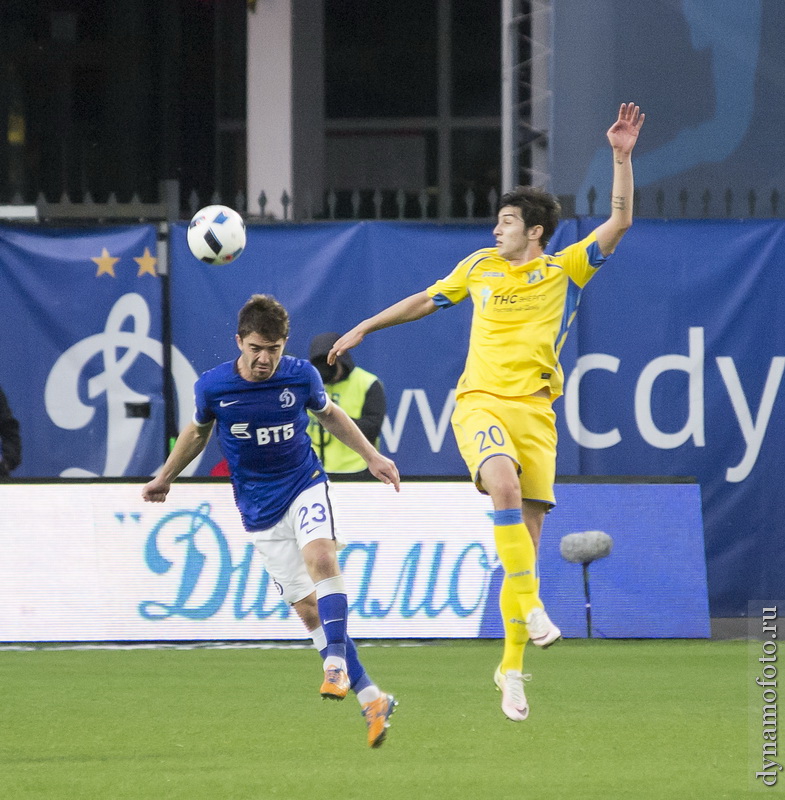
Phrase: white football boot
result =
(514, 703)
(542, 631)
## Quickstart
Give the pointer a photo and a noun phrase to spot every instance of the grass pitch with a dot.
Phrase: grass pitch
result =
(609, 719)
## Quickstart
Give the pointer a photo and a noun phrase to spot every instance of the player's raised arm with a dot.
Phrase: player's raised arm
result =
(622, 136)
(415, 306)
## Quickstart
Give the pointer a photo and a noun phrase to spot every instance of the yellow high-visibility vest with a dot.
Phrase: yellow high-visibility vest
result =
(349, 394)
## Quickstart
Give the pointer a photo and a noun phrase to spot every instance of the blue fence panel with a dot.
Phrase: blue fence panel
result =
(81, 361)
(690, 309)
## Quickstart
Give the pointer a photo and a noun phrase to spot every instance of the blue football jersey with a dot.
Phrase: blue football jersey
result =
(262, 428)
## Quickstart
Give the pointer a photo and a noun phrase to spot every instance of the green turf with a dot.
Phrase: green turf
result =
(609, 719)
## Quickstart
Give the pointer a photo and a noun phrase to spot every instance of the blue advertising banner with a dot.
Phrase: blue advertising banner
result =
(681, 360)
(81, 361)
(670, 367)
(673, 366)
(634, 591)
(186, 570)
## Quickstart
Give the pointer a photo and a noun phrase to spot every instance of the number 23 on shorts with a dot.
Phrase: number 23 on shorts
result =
(314, 514)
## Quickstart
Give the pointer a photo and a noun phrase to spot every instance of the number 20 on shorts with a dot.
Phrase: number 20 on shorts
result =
(486, 439)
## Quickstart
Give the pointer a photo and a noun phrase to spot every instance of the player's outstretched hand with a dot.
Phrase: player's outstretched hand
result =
(155, 491)
(623, 134)
(385, 470)
(346, 342)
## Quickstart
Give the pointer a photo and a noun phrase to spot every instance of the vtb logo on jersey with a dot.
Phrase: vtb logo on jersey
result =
(270, 435)
(287, 398)
(240, 430)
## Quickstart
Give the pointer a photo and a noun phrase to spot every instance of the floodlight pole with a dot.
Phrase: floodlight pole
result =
(510, 168)
(525, 92)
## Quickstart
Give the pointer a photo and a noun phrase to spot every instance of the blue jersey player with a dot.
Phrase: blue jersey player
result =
(259, 405)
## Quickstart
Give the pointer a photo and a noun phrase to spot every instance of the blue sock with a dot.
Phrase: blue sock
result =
(333, 609)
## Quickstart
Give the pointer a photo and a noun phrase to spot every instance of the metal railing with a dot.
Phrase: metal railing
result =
(704, 204)
(389, 204)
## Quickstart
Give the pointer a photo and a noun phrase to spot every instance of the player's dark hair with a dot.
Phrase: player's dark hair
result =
(537, 206)
(264, 315)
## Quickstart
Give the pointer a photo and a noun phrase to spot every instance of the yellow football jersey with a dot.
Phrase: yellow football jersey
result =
(521, 316)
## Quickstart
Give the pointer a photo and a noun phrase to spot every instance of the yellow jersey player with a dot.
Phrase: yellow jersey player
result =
(524, 301)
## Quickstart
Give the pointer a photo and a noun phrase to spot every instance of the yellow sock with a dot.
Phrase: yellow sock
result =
(515, 632)
(519, 559)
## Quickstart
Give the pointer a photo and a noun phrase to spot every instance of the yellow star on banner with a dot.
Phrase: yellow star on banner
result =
(146, 264)
(105, 263)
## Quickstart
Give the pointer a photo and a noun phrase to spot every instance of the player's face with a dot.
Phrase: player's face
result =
(512, 236)
(259, 357)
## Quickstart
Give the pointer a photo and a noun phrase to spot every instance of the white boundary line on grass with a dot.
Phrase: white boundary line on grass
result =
(186, 645)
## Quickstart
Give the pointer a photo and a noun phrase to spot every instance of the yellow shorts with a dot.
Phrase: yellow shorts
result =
(522, 428)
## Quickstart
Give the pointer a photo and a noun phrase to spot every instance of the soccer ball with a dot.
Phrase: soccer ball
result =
(216, 235)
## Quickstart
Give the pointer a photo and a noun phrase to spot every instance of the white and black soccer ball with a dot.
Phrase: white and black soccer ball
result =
(216, 235)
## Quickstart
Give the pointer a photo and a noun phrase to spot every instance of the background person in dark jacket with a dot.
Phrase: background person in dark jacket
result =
(10, 443)
(359, 393)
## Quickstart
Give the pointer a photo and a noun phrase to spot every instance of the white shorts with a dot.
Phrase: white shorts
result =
(310, 516)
